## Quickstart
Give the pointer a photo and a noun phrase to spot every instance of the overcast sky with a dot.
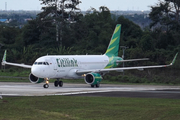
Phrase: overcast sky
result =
(85, 5)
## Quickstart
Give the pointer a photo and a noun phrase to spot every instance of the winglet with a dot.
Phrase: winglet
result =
(4, 58)
(174, 59)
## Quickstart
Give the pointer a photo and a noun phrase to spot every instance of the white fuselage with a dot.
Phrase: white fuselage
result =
(66, 66)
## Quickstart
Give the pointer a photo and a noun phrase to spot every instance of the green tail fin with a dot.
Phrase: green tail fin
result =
(113, 47)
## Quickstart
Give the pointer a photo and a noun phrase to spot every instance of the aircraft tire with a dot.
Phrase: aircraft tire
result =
(92, 86)
(56, 83)
(98, 85)
(46, 86)
(60, 83)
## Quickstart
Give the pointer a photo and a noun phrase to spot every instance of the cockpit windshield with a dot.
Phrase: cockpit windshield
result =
(41, 63)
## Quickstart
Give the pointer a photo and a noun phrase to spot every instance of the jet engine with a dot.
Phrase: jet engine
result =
(34, 79)
(93, 78)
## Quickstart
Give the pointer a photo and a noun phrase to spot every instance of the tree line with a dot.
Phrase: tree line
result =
(91, 33)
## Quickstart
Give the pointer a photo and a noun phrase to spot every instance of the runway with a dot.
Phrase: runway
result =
(108, 90)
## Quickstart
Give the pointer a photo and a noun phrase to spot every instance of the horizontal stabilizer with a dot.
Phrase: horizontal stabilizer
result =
(132, 60)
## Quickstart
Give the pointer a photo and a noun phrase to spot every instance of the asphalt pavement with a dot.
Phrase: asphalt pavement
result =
(105, 90)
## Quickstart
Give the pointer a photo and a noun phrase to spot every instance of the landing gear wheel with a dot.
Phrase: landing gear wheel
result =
(97, 85)
(46, 86)
(56, 83)
(60, 83)
(47, 83)
(92, 86)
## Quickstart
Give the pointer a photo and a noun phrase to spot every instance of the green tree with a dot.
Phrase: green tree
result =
(130, 34)
(94, 31)
(166, 14)
(146, 43)
(9, 35)
(60, 14)
(31, 33)
(166, 24)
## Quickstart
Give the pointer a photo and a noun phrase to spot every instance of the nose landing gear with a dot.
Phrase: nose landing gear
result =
(47, 83)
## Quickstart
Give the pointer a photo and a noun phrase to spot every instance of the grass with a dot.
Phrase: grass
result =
(89, 108)
(8, 79)
(15, 72)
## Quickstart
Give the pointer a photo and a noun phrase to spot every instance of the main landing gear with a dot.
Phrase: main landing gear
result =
(58, 83)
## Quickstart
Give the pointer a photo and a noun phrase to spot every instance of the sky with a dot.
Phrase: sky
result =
(85, 5)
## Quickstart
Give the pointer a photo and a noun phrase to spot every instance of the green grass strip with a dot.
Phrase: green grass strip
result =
(89, 108)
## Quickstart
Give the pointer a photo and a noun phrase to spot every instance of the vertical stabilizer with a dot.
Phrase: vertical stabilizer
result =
(113, 47)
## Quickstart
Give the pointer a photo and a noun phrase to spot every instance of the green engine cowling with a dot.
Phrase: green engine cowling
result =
(93, 78)
(34, 79)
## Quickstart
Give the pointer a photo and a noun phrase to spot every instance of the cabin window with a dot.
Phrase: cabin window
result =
(41, 63)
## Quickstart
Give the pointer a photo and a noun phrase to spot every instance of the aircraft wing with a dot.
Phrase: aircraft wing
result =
(124, 68)
(13, 64)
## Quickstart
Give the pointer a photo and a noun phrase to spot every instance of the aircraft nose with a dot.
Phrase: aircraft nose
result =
(39, 71)
(34, 70)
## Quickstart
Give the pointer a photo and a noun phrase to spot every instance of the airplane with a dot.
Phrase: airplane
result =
(89, 67)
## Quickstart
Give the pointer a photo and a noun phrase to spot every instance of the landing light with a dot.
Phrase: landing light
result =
(84, 75)
(47, 82)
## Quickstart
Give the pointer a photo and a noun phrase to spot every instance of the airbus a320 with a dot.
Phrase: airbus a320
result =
(89, 67)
